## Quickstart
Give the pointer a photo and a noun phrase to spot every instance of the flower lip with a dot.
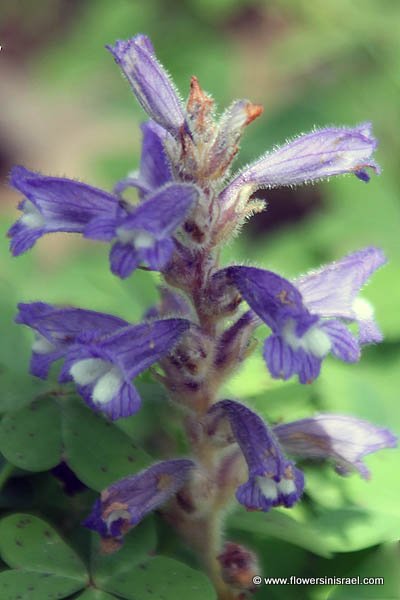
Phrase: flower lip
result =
(147, 235)
(273, 479)
(315, 340)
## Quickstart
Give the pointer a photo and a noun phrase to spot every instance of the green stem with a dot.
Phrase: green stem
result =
(5, 473)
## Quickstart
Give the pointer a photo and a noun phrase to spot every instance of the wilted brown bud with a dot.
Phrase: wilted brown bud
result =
(238, 566)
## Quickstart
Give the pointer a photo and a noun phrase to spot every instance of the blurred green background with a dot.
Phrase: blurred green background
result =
(65, 110)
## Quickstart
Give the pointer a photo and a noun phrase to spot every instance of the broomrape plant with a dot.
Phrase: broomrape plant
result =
(202, 330)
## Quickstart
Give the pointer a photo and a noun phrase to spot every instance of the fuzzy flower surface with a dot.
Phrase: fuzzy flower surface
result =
(125, 503)
(174, 215)
(273, 478)
(308, 317)
(342, 438)
(102, 353)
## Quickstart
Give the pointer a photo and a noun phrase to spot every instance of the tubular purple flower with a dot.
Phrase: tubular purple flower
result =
(55, 204)
(150, 83)
(58, 328)
(125, 503)
(146, 234)
(102, 353)
(273, 479)
(342, 438)
(103, 368)
(305, 316)
(310, 157)
(155, 169)
(332, 290)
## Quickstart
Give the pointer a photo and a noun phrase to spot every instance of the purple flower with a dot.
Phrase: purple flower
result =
(273, 479)
(332, 290)
(103, 368)
(56, 329)
(55, 204)
(343, 438)
(145, 235)
(155, 169)
(125, 503)
(316, 155)
(306, 317)
(150, 83)
(102, 353)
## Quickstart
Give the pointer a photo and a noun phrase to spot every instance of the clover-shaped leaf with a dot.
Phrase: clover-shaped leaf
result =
(135, 573)
(94, 594)
(160, 578)
(30, 438)
(42, 564)
(96, 449)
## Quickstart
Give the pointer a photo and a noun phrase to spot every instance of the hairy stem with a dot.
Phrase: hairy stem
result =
(204, 532)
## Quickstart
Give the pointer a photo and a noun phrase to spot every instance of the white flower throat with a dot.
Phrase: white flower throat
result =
(139, 239)
(32, 217)
(107, 378)
(315, 341)
(270, 489)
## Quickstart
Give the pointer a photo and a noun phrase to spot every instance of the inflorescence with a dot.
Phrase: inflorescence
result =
(203, 327)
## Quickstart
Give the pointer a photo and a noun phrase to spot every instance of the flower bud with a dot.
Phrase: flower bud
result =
(238, 566)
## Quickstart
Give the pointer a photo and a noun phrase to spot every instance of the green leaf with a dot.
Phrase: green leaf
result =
(95, 449)
(364, 389)
(18, 388)
(286, 402)
(30, 438)
(139, 544)
(383, 562)
(161, 578)
(92, 594)
(378, 494)
(252, 379)
(284, 527)
(28, 543)
(30, 585)
(351, 529)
